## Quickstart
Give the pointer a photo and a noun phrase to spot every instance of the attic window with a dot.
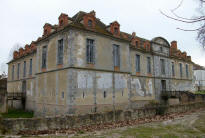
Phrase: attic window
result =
(115, 30)
(45, 32)
(136, 43)
(90, 23)
(61, 22)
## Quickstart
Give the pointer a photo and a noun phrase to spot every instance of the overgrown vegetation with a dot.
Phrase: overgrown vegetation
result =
(200, 92)
(17, 113)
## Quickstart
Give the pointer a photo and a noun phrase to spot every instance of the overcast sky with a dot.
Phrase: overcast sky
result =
(22, 21)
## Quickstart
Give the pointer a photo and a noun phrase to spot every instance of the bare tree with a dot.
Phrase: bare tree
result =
(200, 19)
(15, 47)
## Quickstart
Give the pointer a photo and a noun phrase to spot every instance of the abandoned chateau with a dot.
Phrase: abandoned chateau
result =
(83, 66)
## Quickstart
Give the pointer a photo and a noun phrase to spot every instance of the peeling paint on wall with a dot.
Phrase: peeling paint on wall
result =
(104, 80)
(80, 50)
(136, 86)
(120, 81)
(85, 80)
(149, 90)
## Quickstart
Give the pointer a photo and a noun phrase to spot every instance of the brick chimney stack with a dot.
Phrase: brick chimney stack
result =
(63, 20)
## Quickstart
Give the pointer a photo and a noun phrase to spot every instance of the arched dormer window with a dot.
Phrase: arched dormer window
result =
(61, 22)
(90, 23)
(136, 43)
(115, 30)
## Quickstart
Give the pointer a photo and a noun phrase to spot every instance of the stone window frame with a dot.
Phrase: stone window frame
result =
(116, 58)
(24, 69)
(18, 70)
(180, 69)
(187, 70)
(12, 71)
(44, 65)
(58, 62)
(138, 68)
(90, 58)
(30, 66)
(173, 68)
(149, 68)
(162, 66)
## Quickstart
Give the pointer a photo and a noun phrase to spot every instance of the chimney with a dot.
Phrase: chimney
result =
(47, 29)
(174, 45)
(63, 20)
(93, 12)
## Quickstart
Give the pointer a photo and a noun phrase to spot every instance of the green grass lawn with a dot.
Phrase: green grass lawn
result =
(17, 113)
(200, 92)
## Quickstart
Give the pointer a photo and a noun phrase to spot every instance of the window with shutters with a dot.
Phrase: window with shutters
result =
(30, 68)
(116, 55)
(60, 52)
(162, 65)
(18, 70)
(13, 67)
(44, 56)
(173, 70)
(137, 63)
(24, 69)
(148, 65)
(180, 70)
(187, 70)
(90, 55)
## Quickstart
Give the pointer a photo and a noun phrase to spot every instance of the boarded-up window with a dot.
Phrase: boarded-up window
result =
(180, 70)
(116, 55)
(44, 56)
(90, 55)
(162, 65)
(173, 70)
(13, 67)
(60, 52)
(137, 63)
(24, 69)
(187, 70)
(18, 70)
(148, 65)
(30, 68)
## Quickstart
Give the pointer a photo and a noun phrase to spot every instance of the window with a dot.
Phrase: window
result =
(137, 63)
(104, 94)
(116, 30)
(187, 70)
(30, 68)
(62, 95)
(90, 23)
(136, 43)
(60, 52)
(116, 55)
(162, 65)
(44, 56)
(18, 70)
(161, 49)
(173, 71)
(148, 65)
(180, 69)
(13, 67)
(90, 51)
(24, 69)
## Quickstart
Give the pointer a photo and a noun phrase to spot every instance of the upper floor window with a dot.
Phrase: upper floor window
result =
(180, 70)
(18, 70)
(187, 70)
(13, 67)
(162, 65)
(116, 55)
(44, 57)
(60, 52)
(30, 68)
(90, 51)
(115, 30)
(161, 49)
(90, 23)
(148, 65)
(24, 69)
(136, 43)
(173, 70)
(137, 63)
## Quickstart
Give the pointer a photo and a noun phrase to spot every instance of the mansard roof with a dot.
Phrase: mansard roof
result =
(161, 41)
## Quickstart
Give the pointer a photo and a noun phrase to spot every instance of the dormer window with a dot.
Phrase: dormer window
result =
(45, 32)
(61, 22)
(90, 23)
(136, 43)
(116, 30)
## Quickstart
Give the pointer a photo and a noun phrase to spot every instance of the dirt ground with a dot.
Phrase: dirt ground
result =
(190, 125)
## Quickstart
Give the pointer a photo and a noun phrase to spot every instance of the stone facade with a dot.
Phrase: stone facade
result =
(76, 86)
